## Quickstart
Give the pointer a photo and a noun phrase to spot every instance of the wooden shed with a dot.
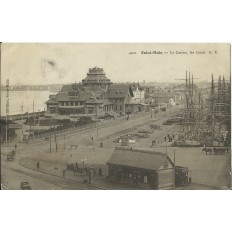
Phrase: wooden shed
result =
(141, 168)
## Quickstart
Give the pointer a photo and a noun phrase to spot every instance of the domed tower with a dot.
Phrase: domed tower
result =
(96, 77)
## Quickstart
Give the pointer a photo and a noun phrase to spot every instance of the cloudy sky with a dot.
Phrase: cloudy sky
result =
(67, 63)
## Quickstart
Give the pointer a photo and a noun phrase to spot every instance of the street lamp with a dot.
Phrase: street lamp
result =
(174, 168)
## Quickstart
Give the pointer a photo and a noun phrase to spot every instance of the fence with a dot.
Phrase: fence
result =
(90, 125)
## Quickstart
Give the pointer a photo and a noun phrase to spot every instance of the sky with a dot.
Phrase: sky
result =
(63, 63)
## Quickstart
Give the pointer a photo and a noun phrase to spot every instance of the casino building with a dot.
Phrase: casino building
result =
(96, 79)
(95, 95)
(87, 97)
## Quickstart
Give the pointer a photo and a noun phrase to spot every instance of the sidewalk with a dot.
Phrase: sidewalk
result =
(56, 169)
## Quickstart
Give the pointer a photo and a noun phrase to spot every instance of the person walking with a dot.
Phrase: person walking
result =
(37, 165)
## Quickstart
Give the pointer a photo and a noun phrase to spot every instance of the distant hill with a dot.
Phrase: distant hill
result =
(52, 88)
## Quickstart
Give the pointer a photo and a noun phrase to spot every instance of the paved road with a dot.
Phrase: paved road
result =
(12, 177)
(44, 181)
(104, 131)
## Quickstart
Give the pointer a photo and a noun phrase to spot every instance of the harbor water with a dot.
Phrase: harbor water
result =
(22, 101)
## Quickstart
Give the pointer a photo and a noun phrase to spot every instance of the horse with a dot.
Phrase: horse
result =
(207, 149)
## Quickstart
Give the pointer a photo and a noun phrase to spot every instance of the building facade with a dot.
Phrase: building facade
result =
(140, 168)
(96, 77)
(97, 95)
(87, 97)
(119, 95)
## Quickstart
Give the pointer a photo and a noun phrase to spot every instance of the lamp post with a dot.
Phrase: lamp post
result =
(22, 120)
(7, 106)
(174, 168)
(33, 121)
(96, 115)
(50, 136)
(55, 134)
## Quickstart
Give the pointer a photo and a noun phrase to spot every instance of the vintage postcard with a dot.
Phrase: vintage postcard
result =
(115, 116)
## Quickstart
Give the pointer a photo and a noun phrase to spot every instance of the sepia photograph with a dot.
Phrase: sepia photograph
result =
(115, 116)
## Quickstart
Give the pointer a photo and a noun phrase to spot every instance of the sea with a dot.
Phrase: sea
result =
(22, 101)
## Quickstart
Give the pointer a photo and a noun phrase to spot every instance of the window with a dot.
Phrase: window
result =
(116, 107)
(62, 103)
(67, 103)
(120, 107)
(76, 103)
(71, 103)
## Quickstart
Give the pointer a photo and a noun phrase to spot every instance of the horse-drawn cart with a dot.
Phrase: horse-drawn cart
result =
(82, 170)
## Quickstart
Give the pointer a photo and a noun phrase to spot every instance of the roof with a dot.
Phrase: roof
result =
(163, 95)
(64, 96)
(119, 90)
(93, 100)
(52, 101)
(66, 88)
(106, 102)
(137, 87)
(96, 75)
(138, 158)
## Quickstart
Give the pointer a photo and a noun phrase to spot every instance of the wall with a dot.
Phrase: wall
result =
(119, 105)
(137, 177)
(166, 179)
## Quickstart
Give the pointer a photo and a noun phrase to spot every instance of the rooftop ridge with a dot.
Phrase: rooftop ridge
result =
(139, 150)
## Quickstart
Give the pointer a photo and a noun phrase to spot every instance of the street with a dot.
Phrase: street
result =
(210, 171)
(87, 149)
